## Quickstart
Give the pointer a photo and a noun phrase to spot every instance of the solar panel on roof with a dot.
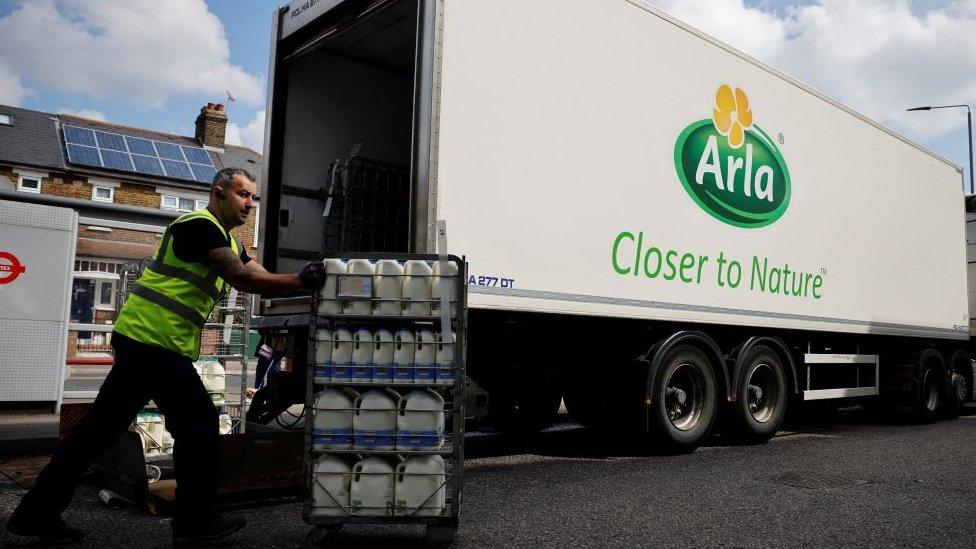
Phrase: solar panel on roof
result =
(169, 151)
(129, 153)
(147, 164)
(176, 169)
(196, 155)
(203, 174)
(80, 154)
(116, 160)
(140, 146)
(79, 136)
(111, 141)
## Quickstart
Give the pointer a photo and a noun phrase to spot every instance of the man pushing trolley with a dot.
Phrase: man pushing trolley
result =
(156, 339)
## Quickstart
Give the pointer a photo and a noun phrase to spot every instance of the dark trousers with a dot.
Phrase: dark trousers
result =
(141, 372)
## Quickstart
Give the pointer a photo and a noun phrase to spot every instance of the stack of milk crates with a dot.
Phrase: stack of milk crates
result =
(386, 393)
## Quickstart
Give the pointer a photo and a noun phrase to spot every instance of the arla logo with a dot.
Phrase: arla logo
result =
(730, 167)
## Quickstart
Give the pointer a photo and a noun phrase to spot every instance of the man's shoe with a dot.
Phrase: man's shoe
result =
(217, 529)
(49, 532)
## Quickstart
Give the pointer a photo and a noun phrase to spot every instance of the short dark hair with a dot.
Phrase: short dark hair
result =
(227, 175)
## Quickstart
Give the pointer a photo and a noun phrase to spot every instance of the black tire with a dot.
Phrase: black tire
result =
(684, 400)
(957, 386)
(928, 393)
(761, 396)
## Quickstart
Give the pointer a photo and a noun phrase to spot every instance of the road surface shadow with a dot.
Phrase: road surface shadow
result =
(568, 439)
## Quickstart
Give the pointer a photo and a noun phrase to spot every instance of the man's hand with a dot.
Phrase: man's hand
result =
(312, 275)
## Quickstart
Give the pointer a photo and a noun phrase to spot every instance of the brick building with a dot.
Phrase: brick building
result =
(79, 158)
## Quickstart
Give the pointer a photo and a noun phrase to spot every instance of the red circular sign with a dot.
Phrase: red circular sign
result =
(10, 268)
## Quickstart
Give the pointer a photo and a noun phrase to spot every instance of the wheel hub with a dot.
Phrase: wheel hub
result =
(684, 396)
(762, 393)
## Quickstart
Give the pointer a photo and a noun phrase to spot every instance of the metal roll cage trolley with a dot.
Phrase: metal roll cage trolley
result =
(448, 306)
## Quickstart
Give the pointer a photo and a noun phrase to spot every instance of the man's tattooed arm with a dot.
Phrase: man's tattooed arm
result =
(251, 280)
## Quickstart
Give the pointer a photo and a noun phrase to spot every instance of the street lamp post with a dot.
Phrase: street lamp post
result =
(969, 133)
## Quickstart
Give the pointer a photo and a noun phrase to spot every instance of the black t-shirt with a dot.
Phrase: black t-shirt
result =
(194, 238)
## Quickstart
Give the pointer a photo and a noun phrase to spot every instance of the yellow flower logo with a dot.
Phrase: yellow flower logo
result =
(732, 115)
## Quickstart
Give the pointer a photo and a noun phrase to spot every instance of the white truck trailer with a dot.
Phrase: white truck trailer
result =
(660, 229)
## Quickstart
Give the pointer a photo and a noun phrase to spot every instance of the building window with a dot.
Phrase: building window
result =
(6, 120)
(98, 265)
(103, 194)
(29, 184)
(105, 295)
(182, 204)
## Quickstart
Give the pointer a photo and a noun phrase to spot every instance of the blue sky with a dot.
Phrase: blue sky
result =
(153, 64)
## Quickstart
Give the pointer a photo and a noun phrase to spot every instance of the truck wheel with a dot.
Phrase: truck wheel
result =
(684, 399)
(957, 386)
(760, 396)
(928, 394)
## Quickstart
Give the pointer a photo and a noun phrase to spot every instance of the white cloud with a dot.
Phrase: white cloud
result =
(138, 51)
(251, 134)
(85, 113)
(878, 57)
(12, 91)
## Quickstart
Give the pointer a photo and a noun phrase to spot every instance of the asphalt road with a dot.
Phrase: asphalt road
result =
(849, 481)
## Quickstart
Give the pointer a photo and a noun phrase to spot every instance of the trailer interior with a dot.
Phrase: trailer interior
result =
(342, 164)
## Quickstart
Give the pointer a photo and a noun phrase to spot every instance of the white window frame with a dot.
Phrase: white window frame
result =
(96, 198)
(33, 176)
(99, 306)
(6, 119)
(103, 184)
(198, 201)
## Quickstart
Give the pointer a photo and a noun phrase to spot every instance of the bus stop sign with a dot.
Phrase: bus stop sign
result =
(10, 268)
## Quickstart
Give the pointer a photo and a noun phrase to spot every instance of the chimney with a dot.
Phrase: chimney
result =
(212, 125)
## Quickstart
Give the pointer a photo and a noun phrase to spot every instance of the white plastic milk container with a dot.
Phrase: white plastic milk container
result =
(329, 304)
(371, 489)
(213, 377)
(149, 426)
(330, 486)
(218, 383)
(387, 287)
(225, 423)
(155, 425)
(404, 353)
(383, 348)
(323, 355)
(166, 441)
(445, 358)
(332, 414)
(366, 268)
(362, 355)
(342, 347)
(447, 276)
(374, 422)
(426, 355)
(416, 288)
(420, 486)
(420, 421)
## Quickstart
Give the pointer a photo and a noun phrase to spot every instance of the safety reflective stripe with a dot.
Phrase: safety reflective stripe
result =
(169, 304)
(207, 285)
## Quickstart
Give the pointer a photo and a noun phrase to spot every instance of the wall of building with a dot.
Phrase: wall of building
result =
(137, 195)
